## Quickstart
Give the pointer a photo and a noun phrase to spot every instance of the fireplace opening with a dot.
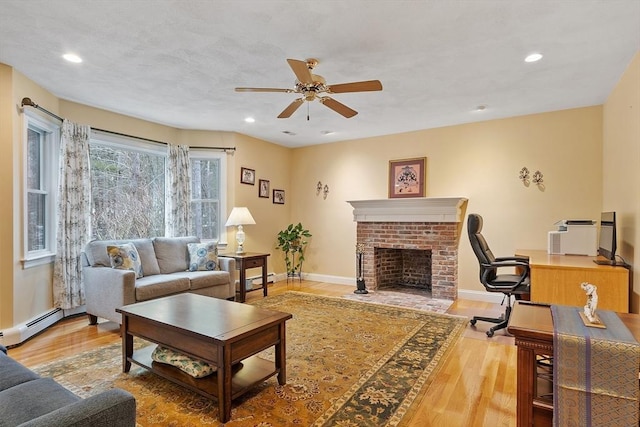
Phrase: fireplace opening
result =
(410, 268)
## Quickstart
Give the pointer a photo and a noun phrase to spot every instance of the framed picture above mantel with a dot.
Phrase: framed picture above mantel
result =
(407, 177)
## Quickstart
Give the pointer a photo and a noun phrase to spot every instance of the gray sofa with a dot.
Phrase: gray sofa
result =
(165, 262)
(27, 400)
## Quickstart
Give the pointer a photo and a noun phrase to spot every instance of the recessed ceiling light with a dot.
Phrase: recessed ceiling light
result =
(288, 132)
(533, 57)
(480, 108)
(327, 132)
(249, 120)
(72, 57)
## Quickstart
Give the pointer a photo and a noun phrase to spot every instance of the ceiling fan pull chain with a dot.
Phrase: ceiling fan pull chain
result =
(307, 111)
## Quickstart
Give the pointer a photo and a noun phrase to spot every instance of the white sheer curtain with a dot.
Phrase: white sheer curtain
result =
(178, 209)
(74, 215)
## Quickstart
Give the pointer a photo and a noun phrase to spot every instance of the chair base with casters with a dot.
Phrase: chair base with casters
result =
(501, 322)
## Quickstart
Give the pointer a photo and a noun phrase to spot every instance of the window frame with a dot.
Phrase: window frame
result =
(129, 143)
(204, 154)
(49, 174)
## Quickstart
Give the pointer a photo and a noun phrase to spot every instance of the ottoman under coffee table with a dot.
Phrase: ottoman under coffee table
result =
(220, 332)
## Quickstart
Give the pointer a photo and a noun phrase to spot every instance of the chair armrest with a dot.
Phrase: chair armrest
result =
(500, 264)
(112, 408)
(494, 266)
(108, 288)
(517, 258)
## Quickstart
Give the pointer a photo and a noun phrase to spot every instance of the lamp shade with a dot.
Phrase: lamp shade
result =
(240, 216)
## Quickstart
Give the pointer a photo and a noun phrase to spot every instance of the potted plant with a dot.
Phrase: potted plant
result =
(292, 241)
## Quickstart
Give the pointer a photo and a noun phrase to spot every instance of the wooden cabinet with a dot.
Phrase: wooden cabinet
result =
(556, 279)
(532, 327)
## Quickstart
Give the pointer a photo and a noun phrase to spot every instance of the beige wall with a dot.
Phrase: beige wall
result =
(621, 167)
(23, 293)
(480, 161)
(6, 193)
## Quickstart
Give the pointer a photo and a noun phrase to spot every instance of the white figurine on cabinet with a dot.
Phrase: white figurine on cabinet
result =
(592, 301)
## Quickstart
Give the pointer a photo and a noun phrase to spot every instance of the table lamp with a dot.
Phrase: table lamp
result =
(240, 216)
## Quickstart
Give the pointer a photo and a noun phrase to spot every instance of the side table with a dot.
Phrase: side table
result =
(244, 262)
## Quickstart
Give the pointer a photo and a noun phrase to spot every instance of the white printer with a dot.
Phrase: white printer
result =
(574, 237)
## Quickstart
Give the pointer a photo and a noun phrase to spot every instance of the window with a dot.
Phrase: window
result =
(41, 142)
(127, 188)
(208, 170)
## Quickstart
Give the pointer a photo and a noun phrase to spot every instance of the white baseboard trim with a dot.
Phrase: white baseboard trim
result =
(480, 296)
(350, 281)
(336, 280)
(22, 332)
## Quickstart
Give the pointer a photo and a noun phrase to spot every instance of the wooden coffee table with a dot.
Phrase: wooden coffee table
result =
(220, 332)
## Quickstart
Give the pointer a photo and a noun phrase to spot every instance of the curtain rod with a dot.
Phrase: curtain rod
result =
(30, 103)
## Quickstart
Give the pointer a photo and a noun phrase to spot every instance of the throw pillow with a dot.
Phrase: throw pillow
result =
(125, 257)
(203, 256)
(194, 367)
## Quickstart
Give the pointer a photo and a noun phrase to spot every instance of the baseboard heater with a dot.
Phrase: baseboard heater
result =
(20, 333)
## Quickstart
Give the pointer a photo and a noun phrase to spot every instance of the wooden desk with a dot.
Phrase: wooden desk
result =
(243, 263)
(556, 279)
(532, 327)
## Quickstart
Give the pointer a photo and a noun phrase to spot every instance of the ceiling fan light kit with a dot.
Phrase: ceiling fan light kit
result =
(310, 86)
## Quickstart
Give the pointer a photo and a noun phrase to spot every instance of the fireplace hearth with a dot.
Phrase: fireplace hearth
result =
(411, 242)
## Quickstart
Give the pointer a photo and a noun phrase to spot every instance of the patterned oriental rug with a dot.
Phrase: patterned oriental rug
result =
(348, 364)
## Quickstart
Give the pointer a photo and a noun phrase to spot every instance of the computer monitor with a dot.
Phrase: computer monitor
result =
(607, 242)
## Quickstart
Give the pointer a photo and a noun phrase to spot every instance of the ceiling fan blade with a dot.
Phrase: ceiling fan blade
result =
(366, 86)
(301, 71)
(263, 89)
(338, 107)
(287, 112)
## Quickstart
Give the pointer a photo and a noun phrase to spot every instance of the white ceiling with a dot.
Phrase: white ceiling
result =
(177, 62)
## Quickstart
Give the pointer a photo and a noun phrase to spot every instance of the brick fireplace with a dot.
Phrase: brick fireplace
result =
(411, 242)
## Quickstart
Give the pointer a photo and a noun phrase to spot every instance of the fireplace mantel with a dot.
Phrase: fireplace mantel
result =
(418, 209)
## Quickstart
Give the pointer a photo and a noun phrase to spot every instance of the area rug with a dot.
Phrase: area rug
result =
(348, 364)
(403, 296)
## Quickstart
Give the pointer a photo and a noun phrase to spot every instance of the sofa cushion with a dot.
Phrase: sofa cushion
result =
(125, 257)
(147, 256)
(172, 254)
(97, 256)
(32, 399)
(203, 256)
(194, 367)
(13, 373)
(160, 285)
(205, 279)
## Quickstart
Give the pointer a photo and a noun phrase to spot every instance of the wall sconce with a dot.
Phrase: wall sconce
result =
(537, 178)
(325, 191)
(524, 176)
(318, 188)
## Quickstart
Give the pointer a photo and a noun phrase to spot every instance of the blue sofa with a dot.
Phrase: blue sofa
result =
(27, 400)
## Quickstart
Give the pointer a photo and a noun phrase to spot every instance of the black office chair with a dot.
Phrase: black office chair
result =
(513, 284)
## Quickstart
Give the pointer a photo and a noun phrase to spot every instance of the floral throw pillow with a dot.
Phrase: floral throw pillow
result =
(125, 257)
(194, 367)
(203, 256)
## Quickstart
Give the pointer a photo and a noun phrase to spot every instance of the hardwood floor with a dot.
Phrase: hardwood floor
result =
(476, 385)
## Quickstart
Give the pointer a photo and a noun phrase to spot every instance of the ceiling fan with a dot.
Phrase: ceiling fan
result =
(311, 86)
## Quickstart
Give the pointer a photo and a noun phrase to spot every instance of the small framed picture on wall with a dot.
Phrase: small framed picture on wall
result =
(278, 197)
(263, 189)
(247, 176)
